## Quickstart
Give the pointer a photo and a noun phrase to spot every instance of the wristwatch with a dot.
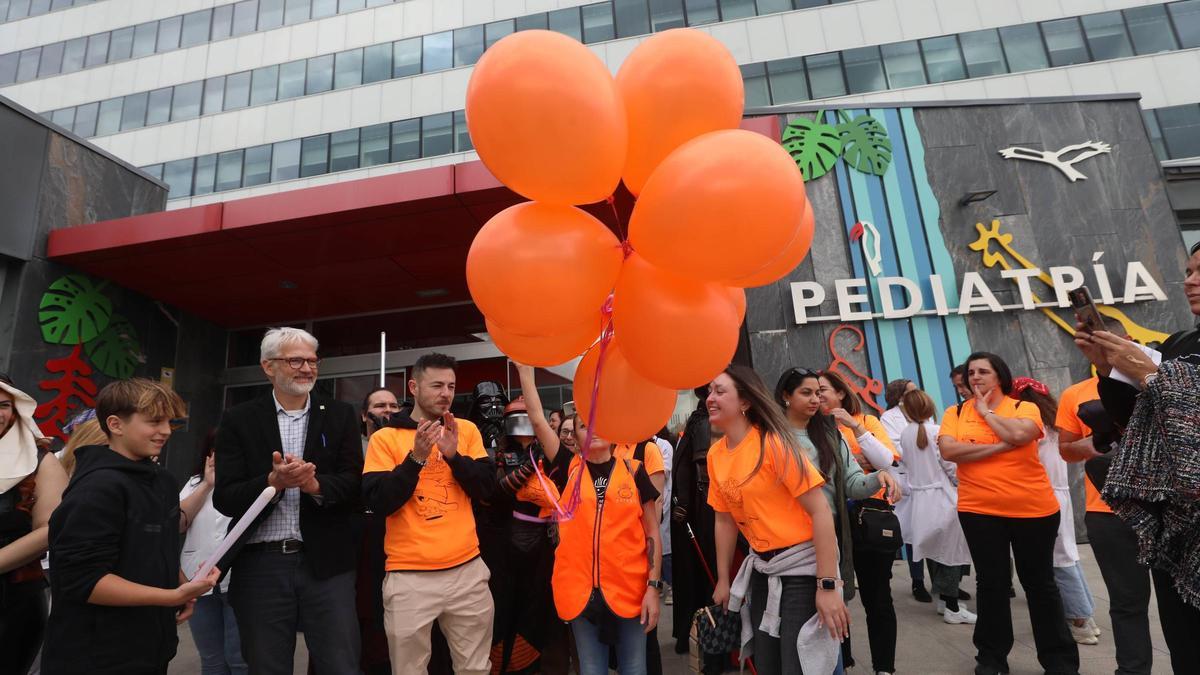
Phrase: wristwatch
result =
(656, 584)
(828, 584)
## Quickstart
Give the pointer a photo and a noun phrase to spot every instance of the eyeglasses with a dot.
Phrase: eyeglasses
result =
(297, 363)
(802, 372)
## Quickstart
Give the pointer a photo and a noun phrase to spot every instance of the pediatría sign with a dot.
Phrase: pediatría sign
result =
(901, 297)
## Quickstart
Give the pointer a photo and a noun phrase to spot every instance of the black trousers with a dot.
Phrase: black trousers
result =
(1180, 624)
(873, 570)
(1128, 583)
(1032, 542)
(798, 602)
(22, 624)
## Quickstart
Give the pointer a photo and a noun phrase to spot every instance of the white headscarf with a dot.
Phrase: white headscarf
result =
(18, 447)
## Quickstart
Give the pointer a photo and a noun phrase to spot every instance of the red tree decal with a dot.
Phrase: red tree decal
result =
(73, 385)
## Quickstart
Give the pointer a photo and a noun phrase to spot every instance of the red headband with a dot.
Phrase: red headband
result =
(1022, 383)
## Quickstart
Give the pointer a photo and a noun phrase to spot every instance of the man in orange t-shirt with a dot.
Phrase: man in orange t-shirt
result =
(423, 472)
(1113, 541)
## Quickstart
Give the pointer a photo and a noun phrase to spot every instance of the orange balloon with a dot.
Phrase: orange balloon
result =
(787, 261)
(550, 350)
(676, 85)
(738, 296)
(677, 332)
(545, 117)
(534, 268)
(631, 408)
(720, 207)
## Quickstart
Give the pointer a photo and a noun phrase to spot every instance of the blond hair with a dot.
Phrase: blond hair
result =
(123, 398)
(88, 433)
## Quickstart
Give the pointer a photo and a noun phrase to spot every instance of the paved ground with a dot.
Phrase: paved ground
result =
(926, 646)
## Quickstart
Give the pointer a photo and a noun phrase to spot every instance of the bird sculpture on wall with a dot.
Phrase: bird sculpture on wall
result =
(1056, 158)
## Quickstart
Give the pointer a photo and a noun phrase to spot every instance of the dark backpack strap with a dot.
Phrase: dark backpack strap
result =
(639, 452)
(960, 405)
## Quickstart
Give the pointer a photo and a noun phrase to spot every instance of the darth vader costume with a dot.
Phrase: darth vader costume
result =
(487, 412)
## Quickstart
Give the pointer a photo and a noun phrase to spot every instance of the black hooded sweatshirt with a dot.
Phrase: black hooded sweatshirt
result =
(117, 517)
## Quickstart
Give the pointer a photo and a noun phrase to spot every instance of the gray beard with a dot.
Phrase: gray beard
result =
(294, 389)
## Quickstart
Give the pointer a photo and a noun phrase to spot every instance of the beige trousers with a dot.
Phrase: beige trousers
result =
(458, 599)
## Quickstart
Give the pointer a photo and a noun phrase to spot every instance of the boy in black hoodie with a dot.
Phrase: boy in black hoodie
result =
(116, 585)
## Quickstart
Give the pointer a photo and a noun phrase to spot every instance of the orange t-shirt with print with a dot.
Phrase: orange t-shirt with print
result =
(765, 507)
(435, 528)
(1012, 484)
(1068, 420)
(873, 426)
(654, 459)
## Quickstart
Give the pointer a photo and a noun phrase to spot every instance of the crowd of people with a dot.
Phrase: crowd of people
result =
(403, 539)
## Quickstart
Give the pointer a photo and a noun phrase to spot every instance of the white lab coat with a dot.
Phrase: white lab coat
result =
(894, 421)
(933, 528)
(1066, 553)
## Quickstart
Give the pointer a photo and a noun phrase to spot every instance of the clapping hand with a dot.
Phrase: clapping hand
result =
(290, 472)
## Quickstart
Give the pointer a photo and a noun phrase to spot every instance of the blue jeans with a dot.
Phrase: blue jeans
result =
(593, 655)
(1076, 596)
(215, 633)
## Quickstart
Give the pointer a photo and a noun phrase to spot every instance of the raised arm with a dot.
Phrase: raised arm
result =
(533, 403)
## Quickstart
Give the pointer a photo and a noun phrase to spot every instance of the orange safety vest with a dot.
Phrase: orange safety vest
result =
(603, 548)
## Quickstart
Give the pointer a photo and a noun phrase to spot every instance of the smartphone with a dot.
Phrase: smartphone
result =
(1085, 309)
(569, 408)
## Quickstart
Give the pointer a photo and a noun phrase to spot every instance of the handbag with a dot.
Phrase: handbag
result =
(716, 631)
(874, 526)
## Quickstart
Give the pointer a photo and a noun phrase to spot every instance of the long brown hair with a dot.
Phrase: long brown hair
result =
(766, 415)
(918, 407)
(1046, 404)
(850, 401)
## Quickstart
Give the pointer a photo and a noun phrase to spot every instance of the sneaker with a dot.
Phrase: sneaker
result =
(1091, 623)
(963, 615)
(941, 606)
(963, 595)
(921, 594)
(1082, 634)
(668, 596)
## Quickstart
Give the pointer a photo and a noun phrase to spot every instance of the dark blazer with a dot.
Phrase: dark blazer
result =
(249, 434)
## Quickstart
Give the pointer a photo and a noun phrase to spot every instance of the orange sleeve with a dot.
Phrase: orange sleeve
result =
(1029, 411)
(874, 426)
(950, 423)
(382, 452)
(470, 442)
(798, 479)
(1067, 418)
(654, 459)
(715, 499)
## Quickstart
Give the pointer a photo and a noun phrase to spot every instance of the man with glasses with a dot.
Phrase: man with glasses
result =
(295, 566)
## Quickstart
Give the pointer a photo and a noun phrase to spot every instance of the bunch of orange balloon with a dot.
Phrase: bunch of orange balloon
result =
(718, 209)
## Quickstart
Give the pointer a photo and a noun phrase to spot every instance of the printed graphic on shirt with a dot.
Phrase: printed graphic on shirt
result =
(433, 492)
(601, 486)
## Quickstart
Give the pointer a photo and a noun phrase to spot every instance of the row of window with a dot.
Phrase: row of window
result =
(595, 22)
(12, 10)
(164, 35)
(1012, 49)
(1174, 131)
(373, 145)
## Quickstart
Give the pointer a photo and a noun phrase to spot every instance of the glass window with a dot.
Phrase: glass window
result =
(736, 9)
(538, 21)
(864, 70)
(437, 135)
(285, 161)
(379, 3)
(120, 45)
(754, 78)
(701, 12)
(406, 57)
(257, 166)
(27, 68)
(39, 7)
(320, 74)
(323, 8)
(168, 34)
(214, 95)
(438, 51)
(943, 61)
(245, 17)
(178, 177)
(1064, 42)
(55, 5)
(350, 5)
(158, 107)
(85, 119)
(1186, 16)
(825, 75)
(195, 28)
(982, 52)
(222, 24)
(314, 156)
(566, 21)
(291, 79)
(1180, 126)
(74, 52)
(270, 14)
(903, 63)
(237, 90)
(787, 80)
(1106, 35)
(468, 45)
(154, 171)
(109, 119)
(18, 10)
(8, 68)
(144, 37)
(343, 150)
(773, 6)
(186, 103)
(133, 111)
(495, 31)
(666, 14)
(406, 140)
(229, 170)
(1150, 29)
(64, 118)
(294, 11)
(347, 69)
(462, 137)
(374, 144)
(632, 17)
(1155, 133)
(264, 83)
(97, 50)
(598, 22)
(377, 63)
(1023, 48)
(205, 174)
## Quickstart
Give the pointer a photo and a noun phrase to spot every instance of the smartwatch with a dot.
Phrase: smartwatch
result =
(656, 584)
(828, 583)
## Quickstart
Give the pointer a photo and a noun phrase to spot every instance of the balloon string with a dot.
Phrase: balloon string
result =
(621, 226)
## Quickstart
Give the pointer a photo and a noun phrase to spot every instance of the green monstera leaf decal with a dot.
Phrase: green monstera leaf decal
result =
(865, 144)
(813, 144)
(74, 310)
(116, 351)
